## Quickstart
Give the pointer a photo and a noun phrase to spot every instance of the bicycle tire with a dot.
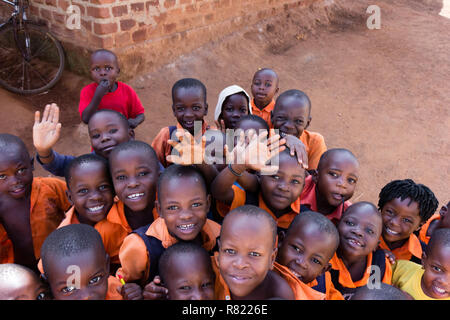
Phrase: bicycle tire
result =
(47, 58)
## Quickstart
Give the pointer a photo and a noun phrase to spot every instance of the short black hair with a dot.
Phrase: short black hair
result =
(105, 51)
(439, 237)
(333, 151)
(137, 146)
(187, 83)
(70, 240)
(360, 204)
(83, 159)
(123, 120)
(253, 211)
(323, 224)
(10, 142)
(252, 117)
(267, 69)
(181, 248)
(300, 95)
(385, 292)
(407, 188)
(175, 171)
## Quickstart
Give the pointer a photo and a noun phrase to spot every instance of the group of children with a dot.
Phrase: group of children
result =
(134, 221)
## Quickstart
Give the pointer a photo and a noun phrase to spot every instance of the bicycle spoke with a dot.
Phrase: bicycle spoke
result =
(41, 48)
(38, 74)
(17, 68)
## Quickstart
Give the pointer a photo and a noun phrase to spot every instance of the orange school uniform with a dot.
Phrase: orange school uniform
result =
(315, 146)
(301, 291)
(411, 250)
(134, 256)
(308, 197)
(423, 231)
(265, 113)
(162, 148)
(117, 215)
(326, 286)
(283, 222)
(48, 204)
(343, 281)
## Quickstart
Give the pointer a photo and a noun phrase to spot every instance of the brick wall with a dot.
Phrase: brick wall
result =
(148, 33)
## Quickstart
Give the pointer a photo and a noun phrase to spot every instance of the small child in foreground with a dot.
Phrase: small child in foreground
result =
(77, 250)
(431, 280)
(107, 93)
(185, 270)
(247, 251)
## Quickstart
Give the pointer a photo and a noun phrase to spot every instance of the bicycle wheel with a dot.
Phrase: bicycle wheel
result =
(33, 71)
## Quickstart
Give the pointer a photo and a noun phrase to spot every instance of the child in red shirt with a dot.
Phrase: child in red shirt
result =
(107, 93)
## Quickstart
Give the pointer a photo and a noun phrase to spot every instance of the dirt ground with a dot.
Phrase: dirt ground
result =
(384, 94)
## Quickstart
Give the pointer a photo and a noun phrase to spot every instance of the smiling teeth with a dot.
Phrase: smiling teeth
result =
(97, 208)
(392, 232)
(135, 195)
(355, 242)
(439, 290)
(186, 226)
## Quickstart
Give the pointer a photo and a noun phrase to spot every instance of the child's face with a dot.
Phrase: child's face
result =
(189, 105)
(246, 253)
(134, 176)
(284, 187)
(16, 174)
(28, 287)
(106, 131)
(445, 217)
(400, 219)
(291, 117)
(359, 231)
(104, 66)
(435, 281)
(306, 251)
(336, 179)
(91, 192)
(190, 277)
(81, 276)
(264, 87)
(184, 205)
(234, 107)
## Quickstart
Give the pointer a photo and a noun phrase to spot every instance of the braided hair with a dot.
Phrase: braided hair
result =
(407, 188)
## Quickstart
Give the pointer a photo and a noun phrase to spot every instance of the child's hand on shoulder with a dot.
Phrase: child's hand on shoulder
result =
(296, 146)
(130, 291)
(390, 256)
(155, 291)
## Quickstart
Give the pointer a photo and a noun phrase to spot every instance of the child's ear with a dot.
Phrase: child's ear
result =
(108, 265)
(420, 225)
(206, 109)
(424, 258)
(131, 133)
(308, 123)
(208, 202)
(281, 237)
(158, 208)
(315, 175)
(43, 278)
(326, 268)
(69, 196)
(32, 163)
(273, 257)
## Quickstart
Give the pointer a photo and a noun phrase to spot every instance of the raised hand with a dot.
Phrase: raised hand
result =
(46, 132)
(296, 146)
(191, 151)
(154, 290)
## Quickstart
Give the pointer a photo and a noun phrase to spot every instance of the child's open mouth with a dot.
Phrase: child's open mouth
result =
(391, 232)
(135, 196)
(355, 243)
(96, 209)
(186, 228)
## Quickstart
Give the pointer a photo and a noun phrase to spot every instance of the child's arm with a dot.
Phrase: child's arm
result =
(134, 122)
(102, 89)
(155, 291)
(46, 132)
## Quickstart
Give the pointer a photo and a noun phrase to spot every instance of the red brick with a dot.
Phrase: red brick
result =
(152, 3)
(51, 3)
(169, 28)
(169, 3)
(102, 1)
(139, 35)
(101, 42)
(137, 6)
(127, 24)
(63, 4)
(98, 12)
(46, 14)
(59, 18)
(122, 39)
(119, 11)
(105, 28)
(87, 25)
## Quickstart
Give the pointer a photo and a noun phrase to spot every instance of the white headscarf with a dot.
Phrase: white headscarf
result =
(228, 91)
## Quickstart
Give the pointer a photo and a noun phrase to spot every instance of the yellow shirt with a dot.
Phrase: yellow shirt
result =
(407, 276)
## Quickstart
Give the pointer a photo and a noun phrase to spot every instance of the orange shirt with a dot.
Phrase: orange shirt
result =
(301, 290)
(283, 222)
(308, 197)
(345, 279)
(264, 113)
(48, 204)
(117, 215)
(411, 248)
(162, 148)
(330, 291)
(423, 231)
(315, 146)
(112, 233)
(133, 252)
